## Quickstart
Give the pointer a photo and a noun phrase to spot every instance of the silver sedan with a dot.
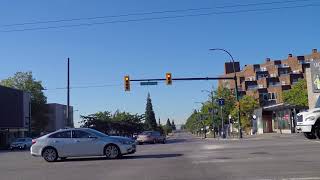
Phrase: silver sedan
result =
(78, 142)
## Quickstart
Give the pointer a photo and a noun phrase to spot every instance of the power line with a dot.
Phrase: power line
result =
(85, 87)
(153, 12)
(160, 18)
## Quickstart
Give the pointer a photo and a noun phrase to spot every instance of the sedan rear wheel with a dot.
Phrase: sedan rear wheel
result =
(50, 155)
(112, 152)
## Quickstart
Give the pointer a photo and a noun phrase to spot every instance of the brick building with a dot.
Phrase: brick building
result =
(266, 82)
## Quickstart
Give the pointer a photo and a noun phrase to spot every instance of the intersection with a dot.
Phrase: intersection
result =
(183, 157)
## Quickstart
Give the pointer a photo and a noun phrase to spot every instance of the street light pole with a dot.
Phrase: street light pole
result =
(236, 86)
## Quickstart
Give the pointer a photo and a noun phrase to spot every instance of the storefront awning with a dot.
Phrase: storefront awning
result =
(282, 106)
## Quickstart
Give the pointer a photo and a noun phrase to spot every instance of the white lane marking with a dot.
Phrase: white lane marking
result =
(306, 178)
(313, 141)
(232, 160)
(213, 147)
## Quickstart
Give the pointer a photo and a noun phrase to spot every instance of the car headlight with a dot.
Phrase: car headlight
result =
(311, 118)
(125, 142)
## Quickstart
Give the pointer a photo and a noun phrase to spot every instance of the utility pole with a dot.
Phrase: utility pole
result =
(212, 114)
(68, 95)
(29, 125)
(222, 123)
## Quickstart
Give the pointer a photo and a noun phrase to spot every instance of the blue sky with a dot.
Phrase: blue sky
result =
(103, 54)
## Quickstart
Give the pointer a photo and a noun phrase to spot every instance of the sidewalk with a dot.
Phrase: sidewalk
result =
(255, 137)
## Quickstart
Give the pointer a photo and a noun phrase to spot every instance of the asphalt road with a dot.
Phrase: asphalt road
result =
(184, 157)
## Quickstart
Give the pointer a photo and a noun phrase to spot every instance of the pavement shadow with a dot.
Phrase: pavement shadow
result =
(174, 141)
(147, 156)
(152, 156)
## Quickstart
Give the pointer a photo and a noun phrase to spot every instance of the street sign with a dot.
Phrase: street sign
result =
(221, 102)
(148, 83)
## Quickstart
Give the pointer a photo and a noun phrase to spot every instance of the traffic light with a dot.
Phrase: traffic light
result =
(168, 78)
(127, 83)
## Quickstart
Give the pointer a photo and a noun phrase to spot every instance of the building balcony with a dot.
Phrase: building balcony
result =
(253, 87)
(261, 86)
(261, 69)
(277, 84)
(283, 66)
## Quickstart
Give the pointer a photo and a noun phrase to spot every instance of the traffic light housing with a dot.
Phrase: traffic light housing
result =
(127, 83)
(168, 78)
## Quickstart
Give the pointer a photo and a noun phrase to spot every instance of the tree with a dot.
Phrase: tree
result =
(24, 81)
(119, 123)
(229, 99)
(168, 123)
(298, 95)
(168, 127)
(247, 105)
(173, 125)
(150, 119)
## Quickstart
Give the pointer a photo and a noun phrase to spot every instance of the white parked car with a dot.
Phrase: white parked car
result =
(21, 143)
(308, 122)
(77, 142)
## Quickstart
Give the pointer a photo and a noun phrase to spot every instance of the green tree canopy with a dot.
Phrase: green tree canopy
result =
(150, 119)
(168, 123)
(168, 127)
(298, 95)
(24, 81)
(173, 125)
(119, 123)
(247, 105)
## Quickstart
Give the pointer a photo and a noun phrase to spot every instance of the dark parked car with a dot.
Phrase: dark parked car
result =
(151, 137)
(21, 143)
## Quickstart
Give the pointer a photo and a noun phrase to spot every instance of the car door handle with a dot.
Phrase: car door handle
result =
(76, 140)
(55, 141)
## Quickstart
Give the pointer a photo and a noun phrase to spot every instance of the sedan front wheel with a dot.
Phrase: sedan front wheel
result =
(112, 151)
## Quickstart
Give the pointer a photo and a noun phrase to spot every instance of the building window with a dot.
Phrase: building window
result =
(272, 96)
(274, 83)
(260, 76)
(283, 72)
(273, 75)
(251, 78)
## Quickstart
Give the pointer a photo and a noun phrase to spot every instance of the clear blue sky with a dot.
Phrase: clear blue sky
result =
(103, 54)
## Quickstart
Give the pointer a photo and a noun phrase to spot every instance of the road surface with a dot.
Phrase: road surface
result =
(184, 157)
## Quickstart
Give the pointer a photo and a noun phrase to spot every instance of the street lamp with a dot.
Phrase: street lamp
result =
(236, 86)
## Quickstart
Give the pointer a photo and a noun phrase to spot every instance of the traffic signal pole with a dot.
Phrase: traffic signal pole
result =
(182, 79)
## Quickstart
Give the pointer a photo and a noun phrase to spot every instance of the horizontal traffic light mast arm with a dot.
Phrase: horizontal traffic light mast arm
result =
(186, 79)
